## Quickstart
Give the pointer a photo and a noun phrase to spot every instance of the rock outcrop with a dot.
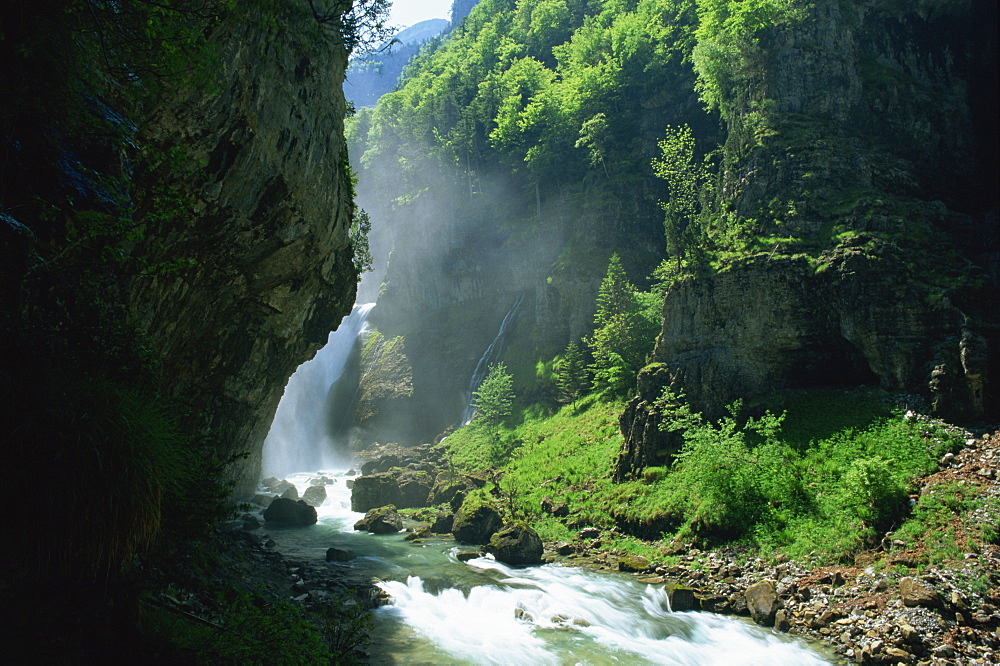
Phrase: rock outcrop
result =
(516, 544)
(877, 273)
(290, 512)
(383, 520)
(271, 269)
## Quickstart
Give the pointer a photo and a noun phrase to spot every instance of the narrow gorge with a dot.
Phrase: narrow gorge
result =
(658, 331)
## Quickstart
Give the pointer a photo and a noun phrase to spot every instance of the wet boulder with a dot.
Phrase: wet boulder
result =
(681, 598)
(634, 563)
(383, 520)
(338, 555)
(290, 512)
(476, 521)
(373, 491)
(762, 602)
(443, 523)
(380, 464)
(414, 488)
(516, 544)
(447, 486)
(314, 495)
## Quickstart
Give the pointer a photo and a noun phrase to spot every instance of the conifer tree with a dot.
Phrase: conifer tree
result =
(572, 375)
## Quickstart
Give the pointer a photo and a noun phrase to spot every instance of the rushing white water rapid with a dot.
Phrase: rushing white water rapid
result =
(491, 355)
(301, 437)
(444, 611)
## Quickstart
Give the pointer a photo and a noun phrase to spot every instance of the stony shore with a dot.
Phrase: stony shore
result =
(897, 614)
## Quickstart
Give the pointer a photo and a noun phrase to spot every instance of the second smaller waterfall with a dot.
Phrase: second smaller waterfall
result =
(491, 355)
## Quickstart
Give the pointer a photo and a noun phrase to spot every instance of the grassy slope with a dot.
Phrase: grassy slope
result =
(839, 476)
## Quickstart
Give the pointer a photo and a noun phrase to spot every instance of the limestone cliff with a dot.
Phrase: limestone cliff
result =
(874, 180)
(273, 271)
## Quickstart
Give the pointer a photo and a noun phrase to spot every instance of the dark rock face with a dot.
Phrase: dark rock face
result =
(374, 491)
(414, 488)
(881, 180)
(338, 555)
(681, 598)
(476, 522)
(290, 512)
(383, 520)
(273, 270)
(516, 544)
(770, 323)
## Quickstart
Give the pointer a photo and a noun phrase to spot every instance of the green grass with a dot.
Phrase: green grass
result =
(822, 478)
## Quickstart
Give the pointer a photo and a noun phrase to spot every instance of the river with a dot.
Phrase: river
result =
(444, 611)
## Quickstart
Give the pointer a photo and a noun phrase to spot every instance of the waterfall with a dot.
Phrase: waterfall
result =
(301, 437)
(491, 355)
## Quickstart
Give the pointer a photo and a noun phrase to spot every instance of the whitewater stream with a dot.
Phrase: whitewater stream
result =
(444, 611)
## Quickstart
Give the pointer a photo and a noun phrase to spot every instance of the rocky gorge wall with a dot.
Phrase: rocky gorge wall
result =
(875, 183)
(273, 269)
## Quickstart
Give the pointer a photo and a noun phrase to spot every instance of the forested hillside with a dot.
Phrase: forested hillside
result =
(844, 150)
(727, 264)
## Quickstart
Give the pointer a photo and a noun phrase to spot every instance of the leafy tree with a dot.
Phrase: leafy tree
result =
(686, 179)
(572, 375)
(493, 398)
(361, 226)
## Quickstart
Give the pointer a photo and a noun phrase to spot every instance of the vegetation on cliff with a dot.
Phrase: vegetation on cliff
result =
(107, 233)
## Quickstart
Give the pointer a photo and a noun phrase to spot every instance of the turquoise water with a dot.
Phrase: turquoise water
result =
(443, 611)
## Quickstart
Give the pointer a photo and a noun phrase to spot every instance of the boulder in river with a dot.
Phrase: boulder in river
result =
(762, 602)
(375, 490)
(414, 487)
(338, 555)
(383, 520)
(681, 598)
(314, 495)
(516, 544)
(476, 521)
(290, 512)
(443, 523)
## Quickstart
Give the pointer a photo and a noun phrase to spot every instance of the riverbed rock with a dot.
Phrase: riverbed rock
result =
(443, 523)
(762, 602)
(338, 555)
(914, 593)
(414, 488)
(289, 491)
(681, 598)
(516, 544)
(380, 464)
(375, 490)
(476, 521)
(466, 555)
(290, 512)
(314, 495)
(382, 520)
(634, 563)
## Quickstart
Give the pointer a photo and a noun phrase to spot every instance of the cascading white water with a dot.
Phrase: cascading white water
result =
(484, 612)
(300, 438)
(491, 355)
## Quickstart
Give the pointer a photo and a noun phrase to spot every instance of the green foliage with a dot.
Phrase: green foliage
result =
(361, 226)
(572, 375)
(624, 331)
(253, 630)
(493, 400)
(688, 194)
